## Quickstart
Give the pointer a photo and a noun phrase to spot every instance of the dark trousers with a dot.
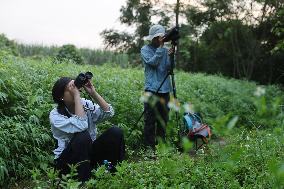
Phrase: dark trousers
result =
(155, 120)
(84, 153)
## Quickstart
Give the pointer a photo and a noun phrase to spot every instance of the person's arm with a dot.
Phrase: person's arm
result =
(149, 58)
(72, 124)
(98, 114)
(89, 87)
(79, 110)
(102, 110)
(101, 102)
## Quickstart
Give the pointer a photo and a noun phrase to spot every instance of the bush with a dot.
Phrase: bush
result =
(25, 103)
(69, 52)
(8, 45)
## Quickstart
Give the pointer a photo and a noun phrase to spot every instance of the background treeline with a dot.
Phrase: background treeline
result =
(242, 39)
(68, 51)
(237, 38)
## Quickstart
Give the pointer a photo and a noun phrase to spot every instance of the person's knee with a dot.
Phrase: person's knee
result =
(82, 138)
(116, 131)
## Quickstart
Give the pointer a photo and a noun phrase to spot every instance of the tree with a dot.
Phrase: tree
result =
(8, 45)
(278, 30)
(234, 37)
(69, 52)
(234, 48)
(138, 14)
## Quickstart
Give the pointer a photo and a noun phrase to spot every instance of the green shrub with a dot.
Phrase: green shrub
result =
(252, 155)
(69, 52)
(8, 45)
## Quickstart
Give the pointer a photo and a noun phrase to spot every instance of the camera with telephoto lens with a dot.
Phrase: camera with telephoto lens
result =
(172, 35)
(82, 79)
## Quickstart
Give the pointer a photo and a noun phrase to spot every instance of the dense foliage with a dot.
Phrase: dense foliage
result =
(237, 38)
(88, 56)
(69, 52)
(246, 115)
(8, 45)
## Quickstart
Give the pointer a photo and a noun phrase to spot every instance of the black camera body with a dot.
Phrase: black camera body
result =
(82, 79)
(172, 35)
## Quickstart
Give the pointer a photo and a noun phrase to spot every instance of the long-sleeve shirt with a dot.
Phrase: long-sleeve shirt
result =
(63, 127)
(157, 63)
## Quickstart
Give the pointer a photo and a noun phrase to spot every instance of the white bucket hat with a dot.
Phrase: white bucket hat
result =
(155, 31)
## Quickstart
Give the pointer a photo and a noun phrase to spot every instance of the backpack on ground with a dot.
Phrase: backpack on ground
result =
(195, 129)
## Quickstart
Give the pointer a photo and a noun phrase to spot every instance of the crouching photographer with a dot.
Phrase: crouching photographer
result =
(73, 125)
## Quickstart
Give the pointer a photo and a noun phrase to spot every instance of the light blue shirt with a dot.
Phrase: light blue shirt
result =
(157, 63)
(63, 127)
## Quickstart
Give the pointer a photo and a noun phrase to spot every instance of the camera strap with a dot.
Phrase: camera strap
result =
(89, 115)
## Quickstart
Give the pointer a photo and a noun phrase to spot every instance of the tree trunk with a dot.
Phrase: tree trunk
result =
(177, 24)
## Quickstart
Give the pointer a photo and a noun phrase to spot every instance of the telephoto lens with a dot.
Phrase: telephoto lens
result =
(88, 75)
(79, 81)
(172, 35)
(82, 79)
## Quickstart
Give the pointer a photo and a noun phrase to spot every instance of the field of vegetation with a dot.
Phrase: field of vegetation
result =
(246, 149)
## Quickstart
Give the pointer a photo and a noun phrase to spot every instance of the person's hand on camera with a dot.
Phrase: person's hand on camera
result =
(171, 51)
(89, 88)
(73, 89)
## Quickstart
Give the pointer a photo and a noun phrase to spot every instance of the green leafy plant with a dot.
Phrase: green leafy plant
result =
(249, 155)
(69, 52)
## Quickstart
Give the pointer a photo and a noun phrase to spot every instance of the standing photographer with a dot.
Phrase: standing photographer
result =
(157, 64)
(73, 125)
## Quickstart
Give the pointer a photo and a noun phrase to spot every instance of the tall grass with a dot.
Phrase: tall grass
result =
(26, 141)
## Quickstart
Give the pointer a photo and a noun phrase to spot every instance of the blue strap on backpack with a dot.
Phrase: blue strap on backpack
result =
(190, 119)
(195, 128)
(188, 122)
(194, 125)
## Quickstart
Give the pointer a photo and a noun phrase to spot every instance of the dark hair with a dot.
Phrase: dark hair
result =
(58, 93)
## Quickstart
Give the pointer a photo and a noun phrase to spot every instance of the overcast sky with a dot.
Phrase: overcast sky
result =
(57, 22)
